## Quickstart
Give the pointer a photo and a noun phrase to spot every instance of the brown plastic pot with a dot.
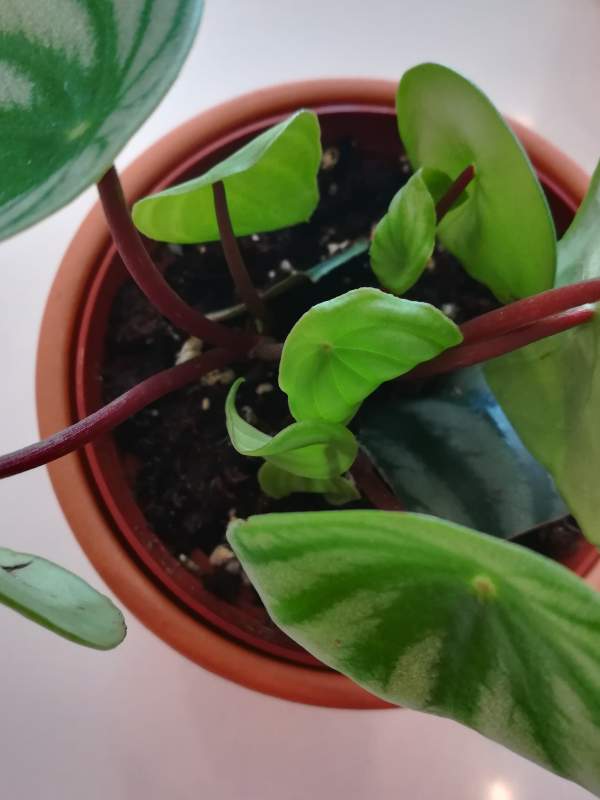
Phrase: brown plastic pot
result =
(93, 487)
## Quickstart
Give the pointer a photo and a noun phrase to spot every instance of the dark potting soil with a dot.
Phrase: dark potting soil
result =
(187, 478)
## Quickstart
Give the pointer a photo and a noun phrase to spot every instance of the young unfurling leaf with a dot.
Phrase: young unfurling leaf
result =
(307, 449)
(59, 600)
(278, 483)
(343, 349)
(440, 618)
(271, 183)
(404, 239)
(503, 234)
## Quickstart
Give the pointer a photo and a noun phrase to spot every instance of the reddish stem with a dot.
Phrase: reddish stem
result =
(112, 414)
(469, 354)
(246, 289)
(531, 309)
(454, 192)
(148, 277)
(372, 486)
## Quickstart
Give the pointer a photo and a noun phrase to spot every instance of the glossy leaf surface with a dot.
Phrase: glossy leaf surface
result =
(404, 239)
(550, 390)
(440, 618)
(278, 483)
(343, 349)
(307, 449)
(59, 600)
(503, 233)
(77, 79)
(270, 183)
(453, 453)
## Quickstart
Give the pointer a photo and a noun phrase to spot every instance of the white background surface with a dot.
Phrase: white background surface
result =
(142, 722)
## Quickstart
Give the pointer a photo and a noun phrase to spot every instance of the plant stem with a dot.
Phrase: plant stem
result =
(246, 289)
(454, 192)
(148, 277)
(465, 355)
(529, 310)
(112, 414)
(372, 486)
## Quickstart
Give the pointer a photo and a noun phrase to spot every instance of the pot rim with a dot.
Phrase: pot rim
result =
(57, 356)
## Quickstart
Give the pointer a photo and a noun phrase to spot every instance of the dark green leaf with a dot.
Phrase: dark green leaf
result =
(503, 234)
(278, 483)
(443, 619)
(271, 183)
(77, 79)
(59, 600)
(307, 449)
(454, 454)
(343, 349)
(404, 239)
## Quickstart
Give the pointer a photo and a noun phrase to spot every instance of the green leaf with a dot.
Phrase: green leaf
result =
(550, 390)
(278, 483)
(77, 79)
(307, 449)
(503, 234)
(404, 239)
(454, 454)
(343, 349)
(59, 600)
(443, 619)
(271, 183)
(323, 268)
(579, 249)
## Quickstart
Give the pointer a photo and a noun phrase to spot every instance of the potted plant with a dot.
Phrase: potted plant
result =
(419, 608)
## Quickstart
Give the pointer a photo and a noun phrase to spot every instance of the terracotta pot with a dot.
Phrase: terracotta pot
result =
(92, 486)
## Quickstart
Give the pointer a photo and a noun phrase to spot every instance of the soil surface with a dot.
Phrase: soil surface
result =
(188, 480)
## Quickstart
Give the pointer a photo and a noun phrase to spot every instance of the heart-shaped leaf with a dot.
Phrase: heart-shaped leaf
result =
(550, 390)
(270, 183)
(404, 239)
(453, 453)
(503, 234)
(77, 79)
(443, 619)
(59, 600)
(307, 449)
(278, 483)
(343, 349)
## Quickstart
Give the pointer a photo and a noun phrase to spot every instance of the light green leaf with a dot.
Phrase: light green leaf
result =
(503, 234)
(307, 449)
(404, 239)
(270, 183)
(443, 619)
(452, 452)
(343, 349)
(77, 79)
(278, 483)
(59, 600)
(550, 390)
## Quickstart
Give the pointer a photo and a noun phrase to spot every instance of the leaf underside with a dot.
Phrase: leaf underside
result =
(276, 482)
(270, 183)
(59, 600)
(443, 619)
(77, 79)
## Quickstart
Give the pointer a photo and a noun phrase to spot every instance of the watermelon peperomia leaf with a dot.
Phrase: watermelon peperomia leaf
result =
(503, 233)
(307, 449)
(452, 452)
(550, 390)
(77, 79)
(278, 483)
(343, 349)
(59, 600)
(404, 239)
(270, 183)
(440, 618)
